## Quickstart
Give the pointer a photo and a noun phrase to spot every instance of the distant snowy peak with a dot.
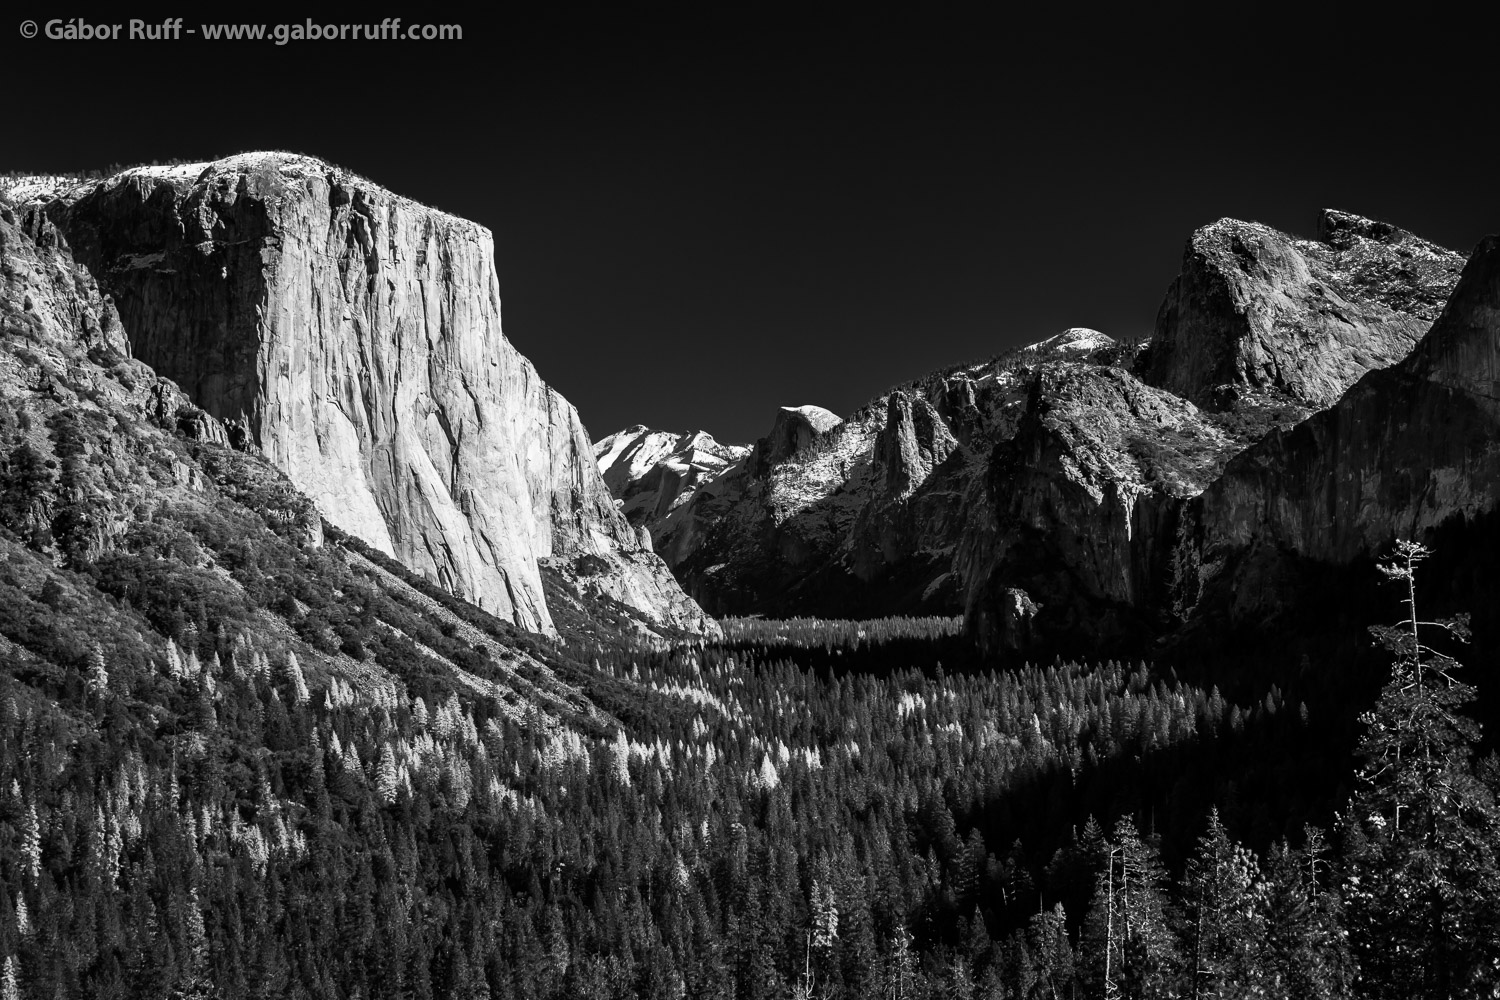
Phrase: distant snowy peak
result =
(651, 473)
(1074, 341)
(630, 454)
(794, 428)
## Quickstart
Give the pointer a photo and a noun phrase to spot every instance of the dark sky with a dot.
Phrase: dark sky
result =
(698, 222)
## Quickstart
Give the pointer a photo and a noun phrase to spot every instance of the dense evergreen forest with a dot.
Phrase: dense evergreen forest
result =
(803, 809)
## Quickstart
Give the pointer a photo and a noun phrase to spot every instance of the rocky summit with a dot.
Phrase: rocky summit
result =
(1256, 312)
(1277, 432)
(652, 473)
(1087, 492)
(1405, 451)
(353, 338)
(855, 516)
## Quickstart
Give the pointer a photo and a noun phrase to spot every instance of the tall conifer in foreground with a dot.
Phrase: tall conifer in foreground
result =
(1126, 935)
(1225, 925)
(1421, 882)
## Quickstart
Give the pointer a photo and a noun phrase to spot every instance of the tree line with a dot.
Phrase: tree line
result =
(220, 820)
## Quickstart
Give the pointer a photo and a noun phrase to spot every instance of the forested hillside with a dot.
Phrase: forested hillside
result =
(245, 755)
(206, 819)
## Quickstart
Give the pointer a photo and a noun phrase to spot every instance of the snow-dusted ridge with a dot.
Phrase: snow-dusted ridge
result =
(651, 473)
(25, 188)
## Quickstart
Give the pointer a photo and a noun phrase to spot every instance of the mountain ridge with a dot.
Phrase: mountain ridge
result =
(1407, 450)
(1051, 482)
(353, 337)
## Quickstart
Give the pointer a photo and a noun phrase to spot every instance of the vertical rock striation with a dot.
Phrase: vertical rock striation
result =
(354, 338)
(1095, 464)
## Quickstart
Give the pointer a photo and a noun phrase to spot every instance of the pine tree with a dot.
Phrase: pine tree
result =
(954, 980)
(174, 660)
(805, 986)
(1225, 926)
(387, 777)
(1051, 953)
(825, 922)
(295, 681)
(767, 778)
(98, 675)
(619, 758)
(10, 980)
(31, 843)
(900, 969)
(1129, 943)
(823, 906)
(1305, 952)
(1422, 883)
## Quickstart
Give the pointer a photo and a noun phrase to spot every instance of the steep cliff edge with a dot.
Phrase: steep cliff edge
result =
(1084, 542)
(1096, 462)
(1257, 312)
(1049, 493)
(1406, 450)
(353, 337)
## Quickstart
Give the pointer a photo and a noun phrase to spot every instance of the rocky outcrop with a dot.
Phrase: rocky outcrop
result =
(1406, 450)
(1092, 516)
(1256, 312)
(859, 516)
(103, 426)
(1123, 511)
(1055, 494)
(652, 473)
(353, 337)
(53, 310)
(795, 428)
(45, 297)
(915, 440)
(1097, 459)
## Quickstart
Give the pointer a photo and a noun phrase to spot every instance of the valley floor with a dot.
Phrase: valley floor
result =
(804, 808)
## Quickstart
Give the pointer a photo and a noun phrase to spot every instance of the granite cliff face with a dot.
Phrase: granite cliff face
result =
(106, 430)
(1098, 520)
(129, 526)
(856, 516)
(1049, 494)
(1407, 449)
(1095, 539)
(1258, 313)
(353, 337)
(1097, 458)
